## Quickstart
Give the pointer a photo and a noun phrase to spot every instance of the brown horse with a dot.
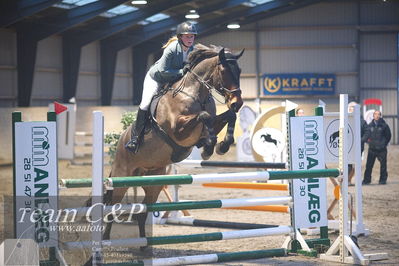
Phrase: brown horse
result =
(185, 116)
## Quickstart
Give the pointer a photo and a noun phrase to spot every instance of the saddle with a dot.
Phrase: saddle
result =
(179, 152)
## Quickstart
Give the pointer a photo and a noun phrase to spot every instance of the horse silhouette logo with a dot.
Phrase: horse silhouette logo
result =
(268, 142)
(268, 138)
(333, 138)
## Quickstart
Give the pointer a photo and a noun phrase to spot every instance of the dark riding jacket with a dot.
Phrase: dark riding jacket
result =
(363, 132)
(378, 135)
(170, 66)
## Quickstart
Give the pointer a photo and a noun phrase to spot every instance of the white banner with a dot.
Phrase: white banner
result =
(307, 153)
(36, 184)
(331, 135)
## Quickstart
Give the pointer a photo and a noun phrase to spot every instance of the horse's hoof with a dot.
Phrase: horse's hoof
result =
(205, 156)
(222, 148)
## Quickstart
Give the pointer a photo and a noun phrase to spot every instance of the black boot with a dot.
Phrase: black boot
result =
(137, 131)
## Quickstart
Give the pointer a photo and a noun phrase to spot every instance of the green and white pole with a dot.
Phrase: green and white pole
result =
(136, 181)
(208, 258)
(137, 208)
(178, 239)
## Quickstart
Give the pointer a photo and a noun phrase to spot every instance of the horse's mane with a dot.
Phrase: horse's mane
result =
(202, 52)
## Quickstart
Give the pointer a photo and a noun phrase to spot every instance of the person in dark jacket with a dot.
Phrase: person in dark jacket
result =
(170, 67)
(378, 137)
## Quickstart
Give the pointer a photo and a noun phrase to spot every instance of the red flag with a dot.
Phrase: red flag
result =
(59, 108)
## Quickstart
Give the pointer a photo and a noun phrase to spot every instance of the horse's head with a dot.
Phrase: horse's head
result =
(230, 79)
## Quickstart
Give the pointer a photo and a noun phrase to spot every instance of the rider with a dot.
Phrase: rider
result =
(170, 67)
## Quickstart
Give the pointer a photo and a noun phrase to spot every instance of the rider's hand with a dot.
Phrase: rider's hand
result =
(186, 68)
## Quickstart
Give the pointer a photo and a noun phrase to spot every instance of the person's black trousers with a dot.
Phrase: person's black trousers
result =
(381, 155)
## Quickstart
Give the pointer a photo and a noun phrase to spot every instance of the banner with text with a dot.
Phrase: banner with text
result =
(307, 153)
(36, 185)
(299, 84)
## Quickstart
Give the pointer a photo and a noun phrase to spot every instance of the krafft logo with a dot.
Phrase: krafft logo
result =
(299, 84)
(332, 138)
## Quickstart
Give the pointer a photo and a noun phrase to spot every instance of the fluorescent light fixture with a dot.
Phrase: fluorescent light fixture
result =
(233, 26)
(139, 2)
(192, 14)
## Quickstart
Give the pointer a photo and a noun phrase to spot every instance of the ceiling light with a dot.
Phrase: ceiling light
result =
(233, 25)
(139, 2)
(192, 14)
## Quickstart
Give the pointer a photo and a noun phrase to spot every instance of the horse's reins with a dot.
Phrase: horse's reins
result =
(223, 91)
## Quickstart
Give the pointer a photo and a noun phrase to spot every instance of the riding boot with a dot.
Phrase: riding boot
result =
(137, 131)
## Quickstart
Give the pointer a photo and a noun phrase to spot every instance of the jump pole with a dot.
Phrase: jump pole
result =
(248, 185)
(137, 208)
(230, 164)
(178, 239)
(208, 258)
(190, 221)
(156, 180)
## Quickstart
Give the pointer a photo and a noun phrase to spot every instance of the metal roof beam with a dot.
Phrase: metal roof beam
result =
(209, 28)
(125, 39)
(102, 30)
(256, 13)
(204, 26)
(70, 69)
(107, 65)
(146, 33)
(47, 26)
(293, 6)
(12, 11)
(26, 58)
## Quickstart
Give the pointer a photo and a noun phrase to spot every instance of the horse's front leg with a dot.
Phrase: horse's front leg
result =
(229, 117)
(211, 139)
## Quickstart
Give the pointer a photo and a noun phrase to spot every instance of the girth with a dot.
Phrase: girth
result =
(179, 152)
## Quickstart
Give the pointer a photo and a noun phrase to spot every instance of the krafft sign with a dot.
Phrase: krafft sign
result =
(36, 184)
(299, 84)
(307, 153)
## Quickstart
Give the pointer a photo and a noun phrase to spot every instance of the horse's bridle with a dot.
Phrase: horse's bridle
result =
(223, 91)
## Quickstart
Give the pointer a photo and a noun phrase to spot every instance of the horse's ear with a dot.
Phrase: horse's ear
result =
(236, 56)
(222, 57)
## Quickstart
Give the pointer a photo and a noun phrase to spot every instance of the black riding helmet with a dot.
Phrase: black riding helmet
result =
(186, 28)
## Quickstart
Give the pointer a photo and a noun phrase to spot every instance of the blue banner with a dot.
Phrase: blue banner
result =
(299, 84)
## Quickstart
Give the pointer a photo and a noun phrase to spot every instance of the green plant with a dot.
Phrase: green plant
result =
(112, 138)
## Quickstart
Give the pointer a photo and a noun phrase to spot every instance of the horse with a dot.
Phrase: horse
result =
(184, 117)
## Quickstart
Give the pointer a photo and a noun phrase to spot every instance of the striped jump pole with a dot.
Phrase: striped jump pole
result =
(137, 208)
(265, 208)
(207, 258)
(190, 221)
(230, 164)
(210, 178)
(137, 181)
(258, 186)
(178, 239)
(248, 185)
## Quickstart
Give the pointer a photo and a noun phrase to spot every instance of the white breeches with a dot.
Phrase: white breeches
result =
(150, 88)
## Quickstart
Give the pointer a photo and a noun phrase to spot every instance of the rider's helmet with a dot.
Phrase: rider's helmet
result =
(186, 28)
